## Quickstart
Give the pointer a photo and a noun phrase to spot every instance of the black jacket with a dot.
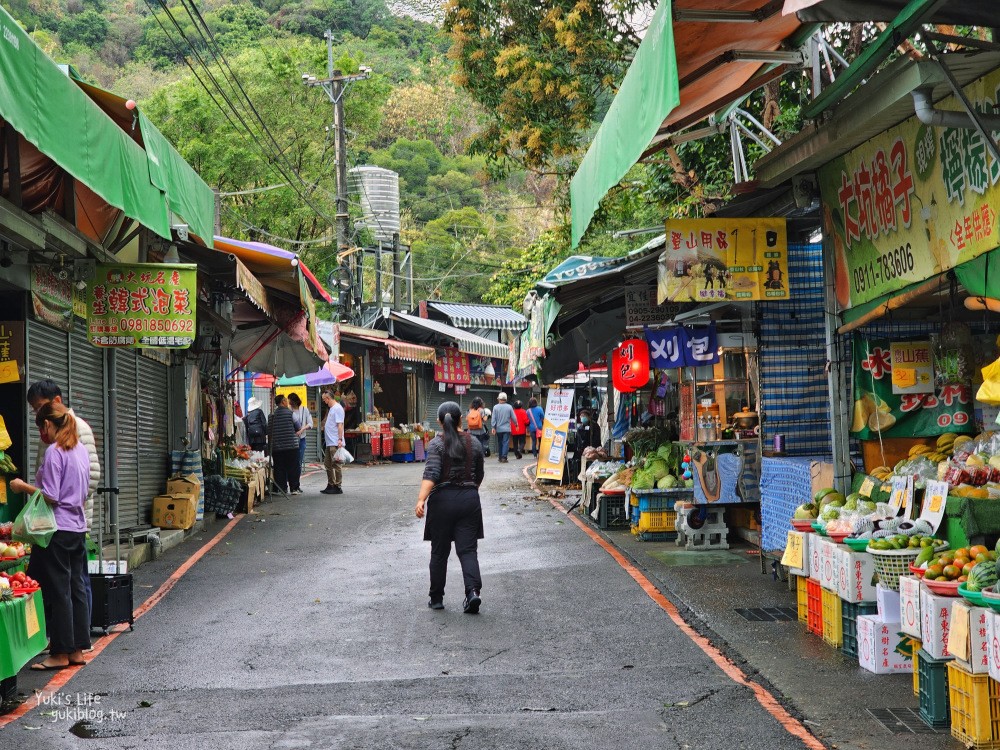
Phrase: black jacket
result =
(283, 437)
(256, 424)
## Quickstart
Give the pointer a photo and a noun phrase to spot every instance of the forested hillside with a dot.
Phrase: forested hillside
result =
(224, 82)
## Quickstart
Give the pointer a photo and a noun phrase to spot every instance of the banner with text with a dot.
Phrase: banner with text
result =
(143, 305)
(555, 434)
(911, 203)
(713, 260)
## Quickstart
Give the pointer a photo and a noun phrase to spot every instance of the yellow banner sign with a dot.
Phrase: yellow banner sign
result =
(555, 434)
(713, 260)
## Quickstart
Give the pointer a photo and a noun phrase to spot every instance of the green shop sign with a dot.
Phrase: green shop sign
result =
(900, 412)
(143, 305)
(911, 203)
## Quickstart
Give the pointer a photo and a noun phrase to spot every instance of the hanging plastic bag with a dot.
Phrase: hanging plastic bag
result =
(36, 523)
(989, 391)
(343, 456)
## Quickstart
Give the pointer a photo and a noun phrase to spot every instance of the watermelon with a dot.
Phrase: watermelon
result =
(982, 576)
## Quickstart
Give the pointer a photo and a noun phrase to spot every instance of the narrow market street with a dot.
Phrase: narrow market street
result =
(307, 626)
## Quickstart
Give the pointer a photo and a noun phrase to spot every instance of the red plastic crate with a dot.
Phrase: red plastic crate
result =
(814, 617)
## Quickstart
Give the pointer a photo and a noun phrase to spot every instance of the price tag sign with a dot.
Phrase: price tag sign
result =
(935, 496)
(31, 615)
(866, 487)
(793, 551)
(902, 494)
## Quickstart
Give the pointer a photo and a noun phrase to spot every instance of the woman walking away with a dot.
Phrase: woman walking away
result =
(285, 448)
(303, 422)
(519, 428)
(475, 422)
(449, 495)
(63, 479)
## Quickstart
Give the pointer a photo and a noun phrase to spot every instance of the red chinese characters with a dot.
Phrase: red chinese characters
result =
(875, 196)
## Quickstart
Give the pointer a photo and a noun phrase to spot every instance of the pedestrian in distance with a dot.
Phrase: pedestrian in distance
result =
(256, 424)
(285, 448)
(333, 440)
(60, 567)
(449, 497)
(519, 428)
(537, 416)
(303, 423)
(503, 419)
(475, 423)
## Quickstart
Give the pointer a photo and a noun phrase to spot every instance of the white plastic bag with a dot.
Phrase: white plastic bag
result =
(343, 456)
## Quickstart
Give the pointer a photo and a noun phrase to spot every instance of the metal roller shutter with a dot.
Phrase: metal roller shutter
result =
(87, 392)
(154, 416)
(48, 357)
(127, 432)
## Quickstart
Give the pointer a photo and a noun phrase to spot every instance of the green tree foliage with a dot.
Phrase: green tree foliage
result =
(523, 268)
(88, 28)
(313, 17)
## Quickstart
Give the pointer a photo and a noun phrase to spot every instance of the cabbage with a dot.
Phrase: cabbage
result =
(659, 468)
(667, 483)
(643, 480)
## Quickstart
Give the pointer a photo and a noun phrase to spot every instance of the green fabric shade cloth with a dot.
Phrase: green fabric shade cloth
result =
(22, 633)
(647, 95)
(42, 104)
(981, 276)
(977, 517)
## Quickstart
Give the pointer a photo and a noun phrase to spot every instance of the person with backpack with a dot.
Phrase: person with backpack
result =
(475, 423)
(256, 424)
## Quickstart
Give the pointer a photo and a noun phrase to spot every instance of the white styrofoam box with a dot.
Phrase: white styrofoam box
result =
(805, 569)
(888, 604)
(829, 576)
(856, 575)
(993, 644)
(882, 649)
(972, 648)
(935, 622)
(815, 556)
(94, 566)
(909, 605)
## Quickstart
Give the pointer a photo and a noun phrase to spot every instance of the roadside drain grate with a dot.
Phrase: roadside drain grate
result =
(903, 721)
(769, 614)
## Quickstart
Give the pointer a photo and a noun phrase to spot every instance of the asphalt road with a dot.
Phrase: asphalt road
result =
(307, 627)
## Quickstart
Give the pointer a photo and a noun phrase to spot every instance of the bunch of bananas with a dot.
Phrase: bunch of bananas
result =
(881, 473)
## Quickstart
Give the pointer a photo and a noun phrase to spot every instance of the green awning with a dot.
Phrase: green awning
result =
(981, 276)
(647, 95)
(42, 104)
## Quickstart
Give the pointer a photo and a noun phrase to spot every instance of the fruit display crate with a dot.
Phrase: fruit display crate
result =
(656, 521)
(611, 510)
(648, 503)
(849, 613)
(915, 647)
(814, 596)
(975, 708)
(802, 598)
(933, 689)
(654, 536)
(833, 633)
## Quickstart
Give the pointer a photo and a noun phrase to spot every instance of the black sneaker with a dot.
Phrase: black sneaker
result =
(435, 604)
(471, 604)
(337, 490)
(329, 490)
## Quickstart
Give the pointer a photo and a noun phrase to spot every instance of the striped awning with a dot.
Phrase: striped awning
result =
(481, 316)
(401, 350)
(463, 340)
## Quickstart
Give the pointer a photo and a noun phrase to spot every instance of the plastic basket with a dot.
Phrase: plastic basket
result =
(814, 595)
(612, 511)
(649, 503)
(975, 712)
(654, 536)
(802, 598)
(833, 633)
(932, 680)
(891, 564)
(849, 614)
(914, 651)
(657, 521)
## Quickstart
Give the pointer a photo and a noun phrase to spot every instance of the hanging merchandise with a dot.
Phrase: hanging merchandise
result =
(630, 365)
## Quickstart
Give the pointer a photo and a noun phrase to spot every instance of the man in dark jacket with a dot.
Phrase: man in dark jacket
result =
(285, 448)
(256, 425)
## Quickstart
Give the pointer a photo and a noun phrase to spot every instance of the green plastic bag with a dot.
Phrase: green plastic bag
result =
(36, 523)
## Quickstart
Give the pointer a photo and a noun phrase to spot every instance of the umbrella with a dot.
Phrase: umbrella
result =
(332, 372)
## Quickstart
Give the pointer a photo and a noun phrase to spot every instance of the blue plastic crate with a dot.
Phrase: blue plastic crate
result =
(649, 503)
(403, 458)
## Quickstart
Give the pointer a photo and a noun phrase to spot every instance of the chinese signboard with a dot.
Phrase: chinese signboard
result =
(683, 347)
(52, 298)
(11, 351)
(913, 367)
(641, 308)
(142, 305)
(913, 202)
(555, 434)
(452, 366)
(711, 260)
(947, 407)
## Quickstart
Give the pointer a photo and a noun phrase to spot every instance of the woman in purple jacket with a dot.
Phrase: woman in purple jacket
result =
(64, 481)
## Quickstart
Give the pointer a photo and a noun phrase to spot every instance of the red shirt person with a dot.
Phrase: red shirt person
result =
(519, 428)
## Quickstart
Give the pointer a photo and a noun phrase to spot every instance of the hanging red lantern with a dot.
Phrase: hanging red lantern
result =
(630, 365)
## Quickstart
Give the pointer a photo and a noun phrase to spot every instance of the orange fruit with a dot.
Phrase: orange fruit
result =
(962, 552)
(982, 557)
(967, 568)
(977, 550)
(947, 558)
(951, 572)
(960, 562)
(963, 579)
(933, 571)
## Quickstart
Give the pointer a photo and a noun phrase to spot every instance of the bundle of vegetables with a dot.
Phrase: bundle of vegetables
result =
(619, 481)
(644, 440)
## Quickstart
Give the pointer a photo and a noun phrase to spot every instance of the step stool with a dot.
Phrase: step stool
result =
(710, 535)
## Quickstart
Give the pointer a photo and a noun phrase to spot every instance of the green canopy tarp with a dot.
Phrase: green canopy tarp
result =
(647, 95)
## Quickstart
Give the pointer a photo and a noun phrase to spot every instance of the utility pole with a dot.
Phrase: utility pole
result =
(397, 282)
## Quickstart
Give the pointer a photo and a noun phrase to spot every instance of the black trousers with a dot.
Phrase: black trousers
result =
(454, 515)
(517, 444)
(61, 568)
(287, 469)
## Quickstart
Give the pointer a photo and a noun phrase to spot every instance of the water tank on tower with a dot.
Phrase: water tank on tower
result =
(378, 190)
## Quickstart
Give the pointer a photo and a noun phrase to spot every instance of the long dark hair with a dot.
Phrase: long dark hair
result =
(450, 416)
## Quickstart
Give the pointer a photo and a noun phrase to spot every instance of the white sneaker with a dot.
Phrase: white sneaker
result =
(295, 492)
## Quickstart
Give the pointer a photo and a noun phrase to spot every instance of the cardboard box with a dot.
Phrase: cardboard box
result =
(856, 579)
(821, 476)
(882, 648)
(909, 605)
(993, 644)
(815, 556)
(968, 637)
(183, 486)
(174, 511)
(935, 622)
(110, 567)
(829, 576)
(888, 604)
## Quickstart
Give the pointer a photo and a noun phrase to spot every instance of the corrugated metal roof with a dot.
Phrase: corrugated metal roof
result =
(465, 341)
(466, 315)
